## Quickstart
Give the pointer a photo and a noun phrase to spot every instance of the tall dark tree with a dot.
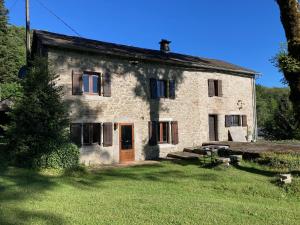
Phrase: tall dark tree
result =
(39, 118)
(290, 63)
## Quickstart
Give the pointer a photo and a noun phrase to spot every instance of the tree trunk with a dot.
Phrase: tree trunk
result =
(290, 18)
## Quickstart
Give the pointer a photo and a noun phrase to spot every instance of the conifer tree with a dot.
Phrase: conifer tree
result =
(39, 118)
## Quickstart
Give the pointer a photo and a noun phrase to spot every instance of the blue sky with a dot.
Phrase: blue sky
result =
(247, 33)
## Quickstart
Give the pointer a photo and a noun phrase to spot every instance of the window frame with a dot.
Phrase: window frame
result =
(162, 88)
(91, 127)
(235, 120)
(160, 132)
(91, 75)
(165, 91)
(216, 88)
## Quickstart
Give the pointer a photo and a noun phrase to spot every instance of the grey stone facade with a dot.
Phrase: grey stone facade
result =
(130, 102)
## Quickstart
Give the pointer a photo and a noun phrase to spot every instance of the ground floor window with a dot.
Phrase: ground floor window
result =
(91, 133)
(235, 120)
(162, 132)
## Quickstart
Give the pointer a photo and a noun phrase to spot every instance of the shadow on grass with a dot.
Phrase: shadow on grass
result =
(18, 185)
(256, 170)
(17, 216)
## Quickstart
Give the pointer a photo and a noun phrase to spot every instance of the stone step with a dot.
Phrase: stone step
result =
(183, 155)
(199, 151)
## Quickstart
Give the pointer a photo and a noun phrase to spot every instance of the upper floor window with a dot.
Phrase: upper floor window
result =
(162, 88)
(91, 83)
(215, 88)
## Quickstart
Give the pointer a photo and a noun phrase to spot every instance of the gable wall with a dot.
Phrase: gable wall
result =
(130, 102)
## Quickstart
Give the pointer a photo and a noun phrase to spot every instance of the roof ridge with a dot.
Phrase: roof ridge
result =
(144, 53)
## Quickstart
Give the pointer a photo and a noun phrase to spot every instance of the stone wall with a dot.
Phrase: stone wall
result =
(130, 102)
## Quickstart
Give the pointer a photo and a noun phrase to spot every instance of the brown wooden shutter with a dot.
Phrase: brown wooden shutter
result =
(172, 89)
(174, 131)
(211, 88)
(75, 133)
(76, 83)
(227, 120)
(107, 85)
(220, 91)
(153, 88)
(152, 126)
(107, 134)
(244, 121)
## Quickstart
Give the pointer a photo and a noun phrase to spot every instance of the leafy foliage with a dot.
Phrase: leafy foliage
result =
(267, 101)
(10, 91)
(281, 161)
(64, 156)
(39, 119)
(287, 63)
(12, 48)
(275, 114)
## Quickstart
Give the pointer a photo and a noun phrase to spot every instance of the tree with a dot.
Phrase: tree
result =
(12, 48)
(267, 103)
(289, 62)
(39, 118)
(281, 124)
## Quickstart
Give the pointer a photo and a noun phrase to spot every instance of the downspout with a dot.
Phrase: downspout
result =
(254, 135)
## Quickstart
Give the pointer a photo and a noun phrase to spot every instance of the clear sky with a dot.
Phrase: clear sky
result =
(244, 32)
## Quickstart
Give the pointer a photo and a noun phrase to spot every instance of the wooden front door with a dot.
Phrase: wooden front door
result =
(213, 128)
(126, 142)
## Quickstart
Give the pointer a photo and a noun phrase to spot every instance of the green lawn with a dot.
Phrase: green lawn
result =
(167, 193)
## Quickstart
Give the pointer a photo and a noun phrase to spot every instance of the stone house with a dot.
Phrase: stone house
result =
(129, 103)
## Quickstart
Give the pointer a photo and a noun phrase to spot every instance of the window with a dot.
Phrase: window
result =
(214, 88)
(163, 132)
(162, 88)
(87, 133)
(90, 83)
(91, 133)
(235, 120)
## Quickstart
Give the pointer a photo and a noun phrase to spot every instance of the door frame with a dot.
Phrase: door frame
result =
(133, 139)
(215, 126)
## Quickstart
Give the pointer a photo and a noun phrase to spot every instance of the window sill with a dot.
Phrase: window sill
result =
(165, 145)
(92, 144)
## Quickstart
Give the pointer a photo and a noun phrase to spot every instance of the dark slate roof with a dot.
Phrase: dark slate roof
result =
(135, 53)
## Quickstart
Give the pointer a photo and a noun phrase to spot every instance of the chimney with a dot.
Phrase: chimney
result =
(164, 45)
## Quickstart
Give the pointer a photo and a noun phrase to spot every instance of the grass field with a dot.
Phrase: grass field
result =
(167, 193)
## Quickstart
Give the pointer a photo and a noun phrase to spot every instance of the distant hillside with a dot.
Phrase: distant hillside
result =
(267, 102)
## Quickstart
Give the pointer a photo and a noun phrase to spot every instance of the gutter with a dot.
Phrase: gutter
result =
(254, 134)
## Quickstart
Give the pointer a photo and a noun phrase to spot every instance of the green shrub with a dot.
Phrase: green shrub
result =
(76, 171)
(66, 156)
(290, 161)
